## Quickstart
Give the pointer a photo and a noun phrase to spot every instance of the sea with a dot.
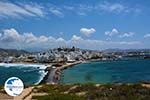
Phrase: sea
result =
(30, 74)
(121, 71)
(132, 70)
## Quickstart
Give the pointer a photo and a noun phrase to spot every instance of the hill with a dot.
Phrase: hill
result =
(12, 52)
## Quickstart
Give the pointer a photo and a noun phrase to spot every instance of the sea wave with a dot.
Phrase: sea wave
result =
(23, 65)
(42, 75)
(39, 67)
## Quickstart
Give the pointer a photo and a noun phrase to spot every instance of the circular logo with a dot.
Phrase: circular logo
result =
(14, 86)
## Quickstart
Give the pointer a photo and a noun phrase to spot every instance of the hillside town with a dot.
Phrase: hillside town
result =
(68, 55)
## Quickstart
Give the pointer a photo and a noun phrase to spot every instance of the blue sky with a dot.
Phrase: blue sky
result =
(87, 24)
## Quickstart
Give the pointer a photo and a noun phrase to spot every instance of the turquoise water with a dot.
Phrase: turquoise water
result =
(29, 74)
(124, 71)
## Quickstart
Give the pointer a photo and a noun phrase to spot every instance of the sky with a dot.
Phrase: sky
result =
(87, 24)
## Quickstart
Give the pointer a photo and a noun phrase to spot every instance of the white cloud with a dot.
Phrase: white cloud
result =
(29, 37)
(108, 7)
(147, 36)
(56, 11)
(60, 39)
(119, 34)
(21, 9)
(87, 32)
(10, 35)
(76, 38)
(111, 7)
(8, 9)
(43, 38)
(111, 33)
(130, 34)
(35, 9)
(11, 38)
(51, 38)
(130, 43)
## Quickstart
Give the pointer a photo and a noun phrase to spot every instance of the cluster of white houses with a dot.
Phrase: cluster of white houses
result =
(65, 55)
(56, 55)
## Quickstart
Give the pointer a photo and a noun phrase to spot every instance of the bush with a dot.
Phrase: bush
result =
(59, 97)
(103, 92)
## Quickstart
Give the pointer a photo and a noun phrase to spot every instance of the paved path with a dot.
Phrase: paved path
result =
(51, 76)
(26, 92)
(4, 96)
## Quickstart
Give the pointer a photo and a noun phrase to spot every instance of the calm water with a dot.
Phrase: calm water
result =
(125, 71)
(29, 74)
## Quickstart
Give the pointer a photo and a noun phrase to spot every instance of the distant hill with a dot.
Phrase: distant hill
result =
(126, 50)
(12, 52)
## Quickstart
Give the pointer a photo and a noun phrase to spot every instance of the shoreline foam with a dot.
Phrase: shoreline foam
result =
(41, 68)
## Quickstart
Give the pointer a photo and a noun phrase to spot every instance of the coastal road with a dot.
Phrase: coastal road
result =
(51, 75)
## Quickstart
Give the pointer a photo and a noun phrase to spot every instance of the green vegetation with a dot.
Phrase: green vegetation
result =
(1, 87)
(59, 97)
(93, 92)
(53, 88)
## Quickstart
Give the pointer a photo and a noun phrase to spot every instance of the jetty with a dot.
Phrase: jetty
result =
(54, 72)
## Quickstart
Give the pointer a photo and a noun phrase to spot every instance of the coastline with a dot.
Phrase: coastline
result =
(53, 71)
(41, 67)
(58, 71)
(53, 74)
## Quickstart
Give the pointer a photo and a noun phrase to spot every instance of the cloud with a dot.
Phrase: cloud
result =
(69, 7)
(56, 11)
(79, 9)
(102, 7)
(8, 9)
(31, 9)
(10, 35)
(147, 36)
(100, 44)
(87, 31)
(119, 34)
(112, 7)
(60, 39)
(29, 38)
(111, 33)
(130, 34)
(76, 38)
(11, 38)
(130, 43)
(43, 38)
(34, 9)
